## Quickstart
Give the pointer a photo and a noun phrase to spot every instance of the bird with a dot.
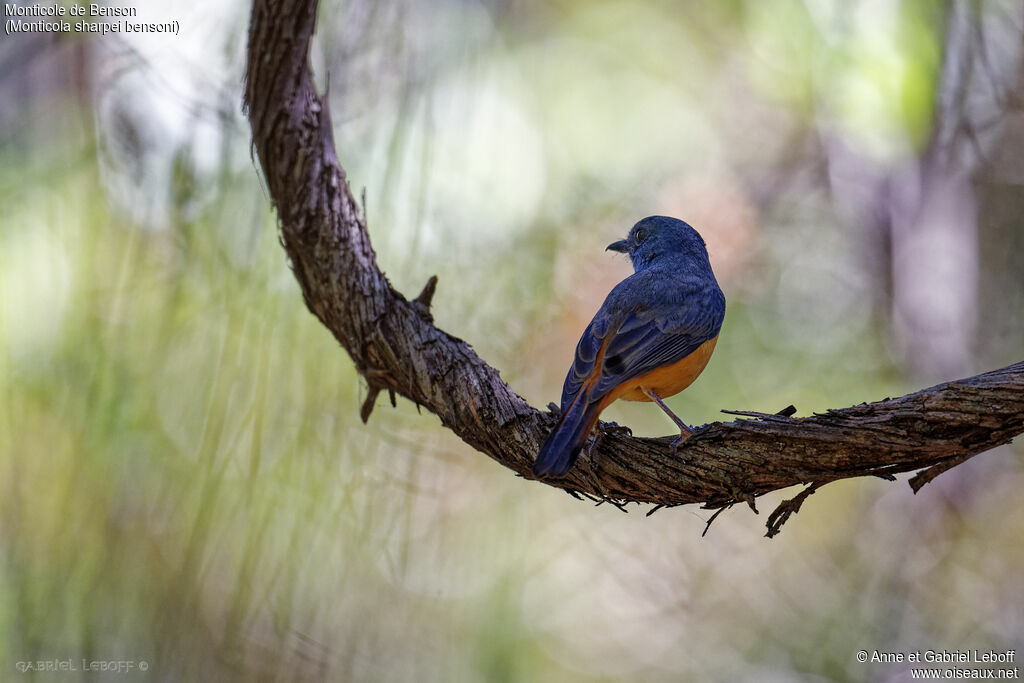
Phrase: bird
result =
(651, 338)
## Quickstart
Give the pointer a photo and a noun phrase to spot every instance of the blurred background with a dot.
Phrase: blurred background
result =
(184, 479)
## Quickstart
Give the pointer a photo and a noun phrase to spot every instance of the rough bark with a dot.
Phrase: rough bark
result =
(396, 347)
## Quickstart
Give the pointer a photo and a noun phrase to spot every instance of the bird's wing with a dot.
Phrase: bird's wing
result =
(618, 347)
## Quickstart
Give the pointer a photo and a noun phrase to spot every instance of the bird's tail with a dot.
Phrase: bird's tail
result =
(563, 445)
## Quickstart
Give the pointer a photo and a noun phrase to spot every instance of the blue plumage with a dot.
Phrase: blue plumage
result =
(661, 314)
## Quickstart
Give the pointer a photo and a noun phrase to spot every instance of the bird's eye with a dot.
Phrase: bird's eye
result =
(641, 235)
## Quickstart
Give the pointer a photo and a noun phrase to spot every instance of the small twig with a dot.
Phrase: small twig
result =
(374, 386)
(789, 507)
(611, 501)
(714, 517)
(368, 404)
(423, 301)
(779, 417)
(747, 498)
(746, 413)
(589, 496)
(924, 476)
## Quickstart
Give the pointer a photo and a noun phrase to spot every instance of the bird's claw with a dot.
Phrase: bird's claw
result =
(616, 428)
(684, 434)
(606, 428)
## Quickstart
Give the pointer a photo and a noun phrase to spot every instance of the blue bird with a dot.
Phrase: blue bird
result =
(651, 338)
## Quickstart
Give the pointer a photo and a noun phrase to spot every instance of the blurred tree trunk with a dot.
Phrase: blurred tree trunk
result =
(933, 222)
(920, 220)
(999, 186)
(40, 75)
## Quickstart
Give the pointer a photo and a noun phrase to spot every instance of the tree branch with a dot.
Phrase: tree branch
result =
(396, 347)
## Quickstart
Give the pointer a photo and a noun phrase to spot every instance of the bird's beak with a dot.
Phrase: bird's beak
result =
(622, 246)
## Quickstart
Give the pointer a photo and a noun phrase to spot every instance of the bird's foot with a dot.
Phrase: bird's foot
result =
(684, 434)
(600, 433)
(616, 428)
(592, 455)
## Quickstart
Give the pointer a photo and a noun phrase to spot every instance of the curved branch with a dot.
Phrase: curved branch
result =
(396, 347)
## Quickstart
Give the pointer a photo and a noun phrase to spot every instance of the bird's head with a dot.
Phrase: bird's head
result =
(657, 236)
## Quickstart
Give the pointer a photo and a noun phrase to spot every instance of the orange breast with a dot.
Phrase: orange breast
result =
(666, 380)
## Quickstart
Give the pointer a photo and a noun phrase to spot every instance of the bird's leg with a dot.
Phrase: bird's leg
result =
(599, 432)
(596, 434)
(684, 431)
